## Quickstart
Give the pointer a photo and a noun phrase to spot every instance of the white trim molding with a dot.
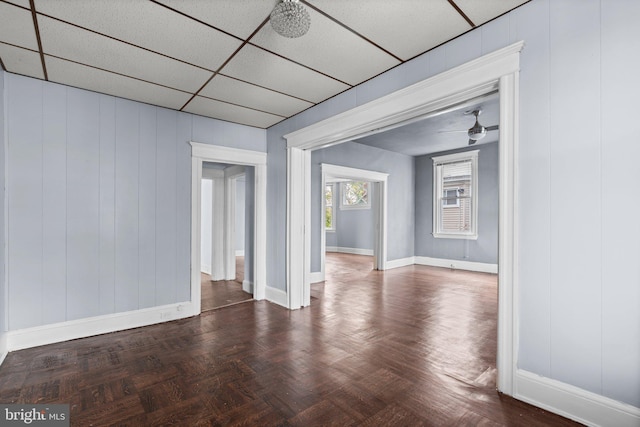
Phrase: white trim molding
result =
(495, 71)
(277, 296)
(58, 332)
(353, 251)
(456, 264)
(4, 348)
(400, 262)
(572, 402)
(247, 286)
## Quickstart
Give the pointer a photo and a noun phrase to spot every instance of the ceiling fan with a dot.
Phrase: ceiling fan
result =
(477, 131)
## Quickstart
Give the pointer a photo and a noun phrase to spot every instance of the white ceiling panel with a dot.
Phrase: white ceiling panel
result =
(237, 17)
(21, 61)
(72, 74)
(148, 25)
(233, 113)
(23, 3)
(16, 27)
(86, 47)
(329, 48)
(231, 90)
(482, 11)
(257, 66)
(404, 27)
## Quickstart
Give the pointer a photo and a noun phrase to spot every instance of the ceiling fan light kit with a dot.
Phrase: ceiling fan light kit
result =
(290, 19)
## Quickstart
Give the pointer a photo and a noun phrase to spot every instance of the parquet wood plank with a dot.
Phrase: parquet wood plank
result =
(410, 346)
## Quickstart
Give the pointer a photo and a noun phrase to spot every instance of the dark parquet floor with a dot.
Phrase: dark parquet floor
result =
(221, 293)
(406, 347)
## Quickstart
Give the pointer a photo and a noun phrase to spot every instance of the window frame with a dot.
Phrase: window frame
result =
(333, 206)
(344, 206)
(438, 189)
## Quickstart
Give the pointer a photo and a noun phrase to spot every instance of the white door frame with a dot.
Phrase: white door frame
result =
(213, 153)
(231, 175)
(379, 205)
(497, 70)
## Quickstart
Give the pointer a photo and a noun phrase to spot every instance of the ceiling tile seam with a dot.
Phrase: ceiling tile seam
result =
(263, 87)
(461, 12)
(39, 40)
(196, 20)
(242, 106)
(346, 27)
(117, 73)
(244, 43)
(299, 63)
(124, 41)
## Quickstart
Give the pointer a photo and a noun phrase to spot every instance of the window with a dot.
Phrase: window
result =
(329, 217)
(355, 195)
(455, 205)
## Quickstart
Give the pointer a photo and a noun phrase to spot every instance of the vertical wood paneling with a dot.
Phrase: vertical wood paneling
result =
(620, 203)
(532, 23)
(463, 49)
(106, 277)
(495, 34)
(25, 208)
(166, 237)
(83, 204)
(182, 288)
(576, 232)
(54, 171)
(147, 208)
(126, 205)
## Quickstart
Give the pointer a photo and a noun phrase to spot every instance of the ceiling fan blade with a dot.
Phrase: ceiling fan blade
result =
(494, 127)
(452, 131)
(472, 141)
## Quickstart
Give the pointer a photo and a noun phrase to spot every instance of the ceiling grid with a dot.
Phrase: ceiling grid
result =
(222, 59)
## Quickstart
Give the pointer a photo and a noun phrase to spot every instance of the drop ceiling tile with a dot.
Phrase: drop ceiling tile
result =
(232, 113)
(149, 25)
(23, 3)
(254, 65)
(21, 61)
(231, 90)
(406, 28)
(482, 11)
(72, 74)
(88, 48)
(238, 17)
(16, 27)
(329, 48)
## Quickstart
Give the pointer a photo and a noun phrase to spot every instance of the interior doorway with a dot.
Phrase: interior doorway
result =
(495, 71)
(225, 233)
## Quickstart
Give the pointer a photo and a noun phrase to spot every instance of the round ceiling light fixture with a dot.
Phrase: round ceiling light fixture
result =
(290, 19)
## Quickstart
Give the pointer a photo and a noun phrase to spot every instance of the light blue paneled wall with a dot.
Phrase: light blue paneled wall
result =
(354, 227)
(578, 234)
(3, 283)
(400, 199)
(99, 201)
(485, 248)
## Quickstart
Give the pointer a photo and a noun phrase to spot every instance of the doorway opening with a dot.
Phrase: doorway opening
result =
(497, 71)
(253, 165)
(226, 231)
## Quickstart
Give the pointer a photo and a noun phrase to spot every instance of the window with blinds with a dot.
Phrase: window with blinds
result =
(455, 195)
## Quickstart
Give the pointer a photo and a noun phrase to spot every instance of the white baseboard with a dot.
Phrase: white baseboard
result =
(316, 276)
(573, 402)
(457, 264)
(81, 328)
(277, 296)
(3, 347)
(205, 268)
(354, 251)
(247, 286)
(240, 252)
(401, 262)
